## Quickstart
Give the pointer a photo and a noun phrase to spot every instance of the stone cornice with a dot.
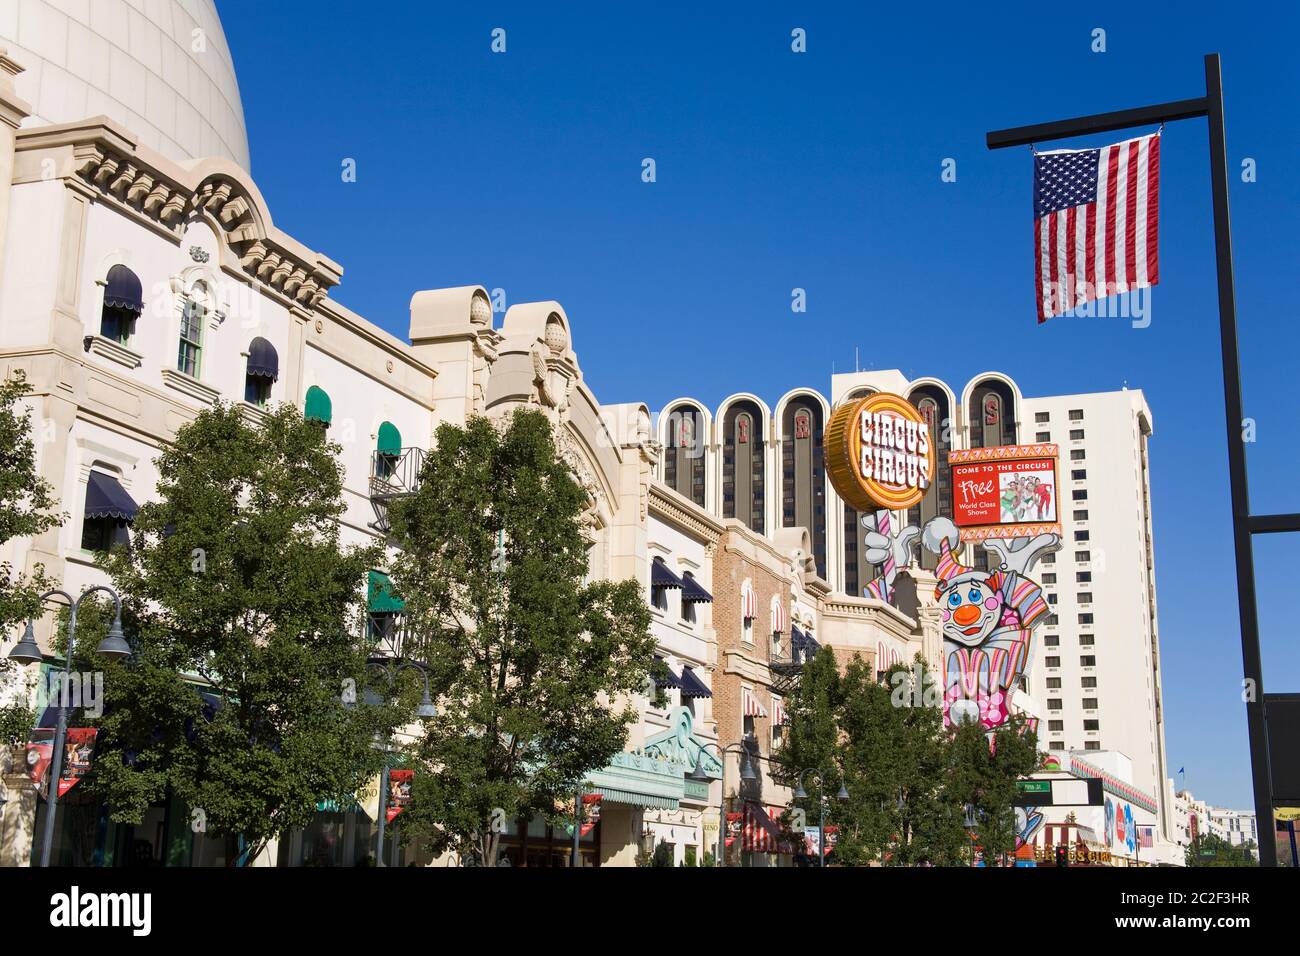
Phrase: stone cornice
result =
(668, 505)
(884, 615)
(759, 546)
(163, 194)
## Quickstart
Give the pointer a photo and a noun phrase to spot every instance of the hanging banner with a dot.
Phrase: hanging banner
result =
(879, 453)
(1010, 491)
(78, 751)
(399, 791)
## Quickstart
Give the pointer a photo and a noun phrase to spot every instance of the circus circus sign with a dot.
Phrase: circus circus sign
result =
(1011, 491)
(879, 452)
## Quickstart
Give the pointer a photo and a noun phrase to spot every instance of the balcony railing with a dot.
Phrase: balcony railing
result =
(393, 475)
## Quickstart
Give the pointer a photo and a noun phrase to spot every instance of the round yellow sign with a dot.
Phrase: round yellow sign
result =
(879, 452)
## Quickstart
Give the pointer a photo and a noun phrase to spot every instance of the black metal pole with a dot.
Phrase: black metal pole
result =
(577, 823)
(1241, 532)
(383, 813)
(1243, 525)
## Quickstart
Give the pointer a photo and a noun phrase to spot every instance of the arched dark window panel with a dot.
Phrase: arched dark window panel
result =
(684, 460)
(803, 473)
(743, 457)
(992, 415)
(932, 402)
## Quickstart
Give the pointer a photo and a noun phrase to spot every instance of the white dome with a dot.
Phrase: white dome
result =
(161, 68)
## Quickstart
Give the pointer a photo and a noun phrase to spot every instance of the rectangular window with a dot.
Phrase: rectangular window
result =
(1077, 454)
(1090, 703)
(1089, 683)
(1079, 494)
(1053, 704)
(1041, 417)
(1087, 660)
(1087, 640)
(1049, 558)
(1085, 618)
(1056, 726)
(1053, 662)
(1051, 598)
(1052, 640)
(97, 533)
(1049, 579)
(1083, 556)
(1081, 536)
(1043, 436)
(1053, 683)
(1092, 745)
(747, 726)
(1092, 724)
(1084, 597)
(191, 344)
(1076, 414)
(1076, 434)
(1082, 576)
(1079, 474)
(1081, 515)
(1057, 745)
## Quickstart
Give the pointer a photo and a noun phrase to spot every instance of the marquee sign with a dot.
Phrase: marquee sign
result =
(1010, 491)
(879, 453)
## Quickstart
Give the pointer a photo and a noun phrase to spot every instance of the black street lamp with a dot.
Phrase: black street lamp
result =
(747, 774)
(114, 647)
(801, 794)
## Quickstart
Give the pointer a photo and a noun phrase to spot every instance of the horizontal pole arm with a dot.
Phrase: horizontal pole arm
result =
(1268, 524)
(1098, 123)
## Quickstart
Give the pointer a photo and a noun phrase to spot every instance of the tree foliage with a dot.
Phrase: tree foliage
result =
(1210, 849)
(237, 587)
(533, 663)
(909, 780)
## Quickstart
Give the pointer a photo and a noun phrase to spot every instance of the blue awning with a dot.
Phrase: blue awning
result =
(105, 498)
(692, 591)
(692, 686)
(122, 289)
(661, 576)
(670, 680)
(263, 360)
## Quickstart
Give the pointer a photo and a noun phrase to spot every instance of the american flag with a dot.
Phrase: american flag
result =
(1096, 219)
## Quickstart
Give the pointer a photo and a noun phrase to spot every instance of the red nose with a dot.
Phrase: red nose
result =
(966, 614)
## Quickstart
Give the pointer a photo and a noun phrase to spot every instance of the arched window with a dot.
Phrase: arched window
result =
(743, 478)
(262, 370)
(193, 315)
(684, 465)
(317, 406)
(388, 450)
(123, 302)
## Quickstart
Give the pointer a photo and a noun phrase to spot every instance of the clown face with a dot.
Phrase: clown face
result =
(970, 611)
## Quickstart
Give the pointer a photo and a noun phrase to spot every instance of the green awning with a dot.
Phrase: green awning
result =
(390, 439)
(380, 597)
(639, 780)
(317, 406)
(615, 795)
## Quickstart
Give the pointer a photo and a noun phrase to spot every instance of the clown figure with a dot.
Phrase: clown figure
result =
(988, 620)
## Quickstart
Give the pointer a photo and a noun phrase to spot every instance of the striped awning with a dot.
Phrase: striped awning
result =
(692, 686)
(750, 704)
(886, 656)
(779, 717)
(662, 576)
(633, 799)
(779, 617)
(760, 833)
(748, 602)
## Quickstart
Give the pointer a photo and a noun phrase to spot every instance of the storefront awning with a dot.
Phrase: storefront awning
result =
(661, 576)
(692, 591)
(692, 686)
(105, 498)
(637, 780)
(669, 679)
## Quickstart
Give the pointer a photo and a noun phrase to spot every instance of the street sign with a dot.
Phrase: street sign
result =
(1069, 792)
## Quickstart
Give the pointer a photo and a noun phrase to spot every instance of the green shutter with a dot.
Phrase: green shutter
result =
(380, 597)
(390, 439)
(317, 406)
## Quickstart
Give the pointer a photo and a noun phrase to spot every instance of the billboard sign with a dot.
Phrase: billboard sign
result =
(879, 452)
(1011, 491)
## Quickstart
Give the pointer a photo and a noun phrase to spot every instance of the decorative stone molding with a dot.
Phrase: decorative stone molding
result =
(252, 414)
(113, 351)
(670, 506)
(190, 386)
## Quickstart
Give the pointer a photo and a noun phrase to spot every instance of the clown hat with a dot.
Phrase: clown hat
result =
(939, 537)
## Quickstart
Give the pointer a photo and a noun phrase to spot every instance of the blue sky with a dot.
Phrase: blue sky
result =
(820, 171)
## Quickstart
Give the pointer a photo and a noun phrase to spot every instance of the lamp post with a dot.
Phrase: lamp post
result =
(801, 794)
(425, 711)
(114, 647)
(699, 776)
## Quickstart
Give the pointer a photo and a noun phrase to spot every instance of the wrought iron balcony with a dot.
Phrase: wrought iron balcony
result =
(393, 475)
(785, 671)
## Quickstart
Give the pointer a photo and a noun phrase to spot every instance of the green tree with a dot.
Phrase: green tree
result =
(1209, 849)
(984, 769)
(238, 587)
(27, 509)
(531, 661)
